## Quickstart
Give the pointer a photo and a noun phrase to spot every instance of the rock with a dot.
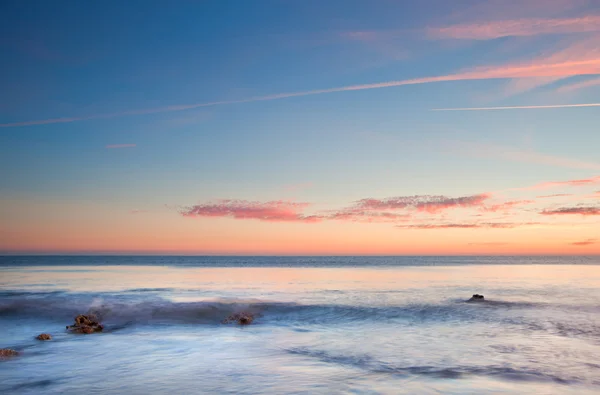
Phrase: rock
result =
(86, 324)
(44, 336)
(240, 318)
(476, 298)
(87, 329)
(7, 353)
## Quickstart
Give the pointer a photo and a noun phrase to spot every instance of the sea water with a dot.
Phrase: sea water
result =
(331, 325)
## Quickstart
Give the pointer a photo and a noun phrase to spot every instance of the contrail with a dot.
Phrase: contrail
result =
(248, 100)
(563, 69)
(518, 107)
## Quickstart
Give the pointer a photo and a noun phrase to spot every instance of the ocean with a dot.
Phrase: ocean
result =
(324, 325)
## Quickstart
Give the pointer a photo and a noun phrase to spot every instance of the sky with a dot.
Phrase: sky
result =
(283, 127)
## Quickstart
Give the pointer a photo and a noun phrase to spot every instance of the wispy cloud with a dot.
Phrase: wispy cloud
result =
(116, 146)
(585, 242)
(489, 225)
(487, 30)
(137, 211)
(570, 183)
(517, 107)
(579, 85)
(365, 210)
(554, 196)
(585, 211)
(273, 211)
(506, 206)
(366, 216)
(578, 59)
(423, 203)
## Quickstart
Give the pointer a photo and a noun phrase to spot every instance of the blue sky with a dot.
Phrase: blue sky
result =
(145, 109)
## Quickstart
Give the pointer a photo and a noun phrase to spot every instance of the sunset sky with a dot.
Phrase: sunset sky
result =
(332, 127)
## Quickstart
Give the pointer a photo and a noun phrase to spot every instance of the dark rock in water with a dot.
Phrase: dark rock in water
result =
(240, 318)
(44, 336)
(7, 353)
(476, 298)
(86, 324)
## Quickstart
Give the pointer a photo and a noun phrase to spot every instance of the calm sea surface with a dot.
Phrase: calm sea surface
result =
(331, 325)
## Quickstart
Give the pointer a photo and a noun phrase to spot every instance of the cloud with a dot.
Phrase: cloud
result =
(488, 225)
(517, 107)
(579, 85)
(507, 205)
(585, 211)
(488, 30)
(365, 210)
(367, 216)
(584, 242)
(554, 196)
(116, 146)
(570, 183)
(423, 203)
(138, 211)
(273, 211)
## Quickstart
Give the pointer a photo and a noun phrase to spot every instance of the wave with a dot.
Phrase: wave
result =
(123, 307)
(371, 364)
(145, 306)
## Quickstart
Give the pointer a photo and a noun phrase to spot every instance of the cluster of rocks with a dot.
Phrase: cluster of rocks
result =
(86, 324)
(240, 318)
(44, 336)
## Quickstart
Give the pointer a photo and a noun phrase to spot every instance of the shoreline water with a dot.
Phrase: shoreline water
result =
(381, 329)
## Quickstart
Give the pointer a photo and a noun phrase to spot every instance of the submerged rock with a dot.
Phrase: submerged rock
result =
(86, 324)
(44, 336)
(7, 353)
(476, 298)
(240, 318)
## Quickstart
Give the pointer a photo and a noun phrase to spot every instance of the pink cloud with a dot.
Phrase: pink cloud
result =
(116, 146)
(570, 183)
(489, 225)
(273, 211)
(579, 85)
(367, 216)
(365, 210)
(423, 203)
(554, 196)
(585, 211)
(585, 242)
(507, 205)
(487, 30)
